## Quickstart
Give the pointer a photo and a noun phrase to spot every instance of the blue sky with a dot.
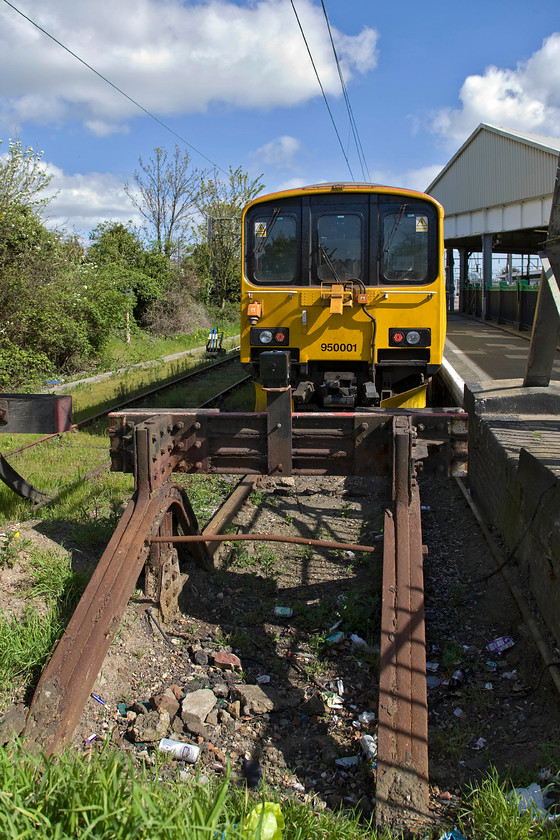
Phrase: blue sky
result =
(233, 77)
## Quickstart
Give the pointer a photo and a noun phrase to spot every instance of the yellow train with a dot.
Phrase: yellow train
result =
(344, 283)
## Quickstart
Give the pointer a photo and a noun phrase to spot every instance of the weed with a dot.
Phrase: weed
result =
(307, 553)
(10, 546)
(345, 510)
(257, 498)
(456, 592)
(452, 655)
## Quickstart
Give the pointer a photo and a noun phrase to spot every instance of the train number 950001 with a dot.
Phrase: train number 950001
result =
(338, 348)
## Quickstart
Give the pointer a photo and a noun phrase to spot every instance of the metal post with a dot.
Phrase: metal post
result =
(449, 280)
(463, 276)
(486, 271)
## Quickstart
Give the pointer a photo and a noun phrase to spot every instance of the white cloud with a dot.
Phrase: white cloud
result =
(279, 152)
(82, 201)
(413, 179)
(171, 56)
(525, 99)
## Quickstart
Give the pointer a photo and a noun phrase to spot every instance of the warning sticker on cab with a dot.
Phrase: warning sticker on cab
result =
(421, 224)
(260, 229)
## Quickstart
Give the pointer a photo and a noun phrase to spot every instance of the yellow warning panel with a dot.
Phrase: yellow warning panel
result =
(415, 398)
(260, 229)
(421, 224)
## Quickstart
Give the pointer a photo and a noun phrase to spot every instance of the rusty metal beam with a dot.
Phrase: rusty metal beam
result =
(198, 441)
(402, 792)
(42, 414)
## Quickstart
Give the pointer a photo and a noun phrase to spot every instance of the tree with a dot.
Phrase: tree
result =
(120, 256)
(217, 251)
(23, 178)
(166, 196)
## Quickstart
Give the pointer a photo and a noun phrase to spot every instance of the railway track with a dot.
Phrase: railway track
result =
(25, 489)
(159, 527)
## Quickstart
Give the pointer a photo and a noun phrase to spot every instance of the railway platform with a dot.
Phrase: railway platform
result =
(514, 452)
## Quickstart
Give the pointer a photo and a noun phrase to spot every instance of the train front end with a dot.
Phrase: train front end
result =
(344, 284)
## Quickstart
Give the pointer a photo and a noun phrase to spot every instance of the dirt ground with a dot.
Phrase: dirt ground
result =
(298, 692)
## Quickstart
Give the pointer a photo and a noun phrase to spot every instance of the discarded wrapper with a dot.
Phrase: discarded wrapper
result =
(369, 746)
(333, 701)
(500, 644)
(336, 638)
(347, 761)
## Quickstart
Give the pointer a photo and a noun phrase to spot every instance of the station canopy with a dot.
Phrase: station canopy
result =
(500, 182)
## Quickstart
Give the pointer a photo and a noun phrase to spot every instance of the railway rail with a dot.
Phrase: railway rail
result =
(159, 526)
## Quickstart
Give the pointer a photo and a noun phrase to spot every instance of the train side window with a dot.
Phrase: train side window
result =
(274, 248)
(339, 247)
(407, 242)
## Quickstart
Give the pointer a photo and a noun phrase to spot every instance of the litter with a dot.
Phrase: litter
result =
(500, 644)
(358, 642)
(263, 679)
(432, 666)
(347, 761)
(269, 818)
(283, 612)
(333, 701)
(480, 744)
(529, 799)
(179, 749)
(455, 834)
(367, 717)
(336, 638)
(369, 746)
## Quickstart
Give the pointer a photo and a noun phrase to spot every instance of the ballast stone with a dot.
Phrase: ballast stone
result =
(197, 705)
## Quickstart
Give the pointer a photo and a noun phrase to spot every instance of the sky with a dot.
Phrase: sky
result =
(232, 83)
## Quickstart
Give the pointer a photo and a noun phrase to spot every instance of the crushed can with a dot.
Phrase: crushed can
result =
(179, 749)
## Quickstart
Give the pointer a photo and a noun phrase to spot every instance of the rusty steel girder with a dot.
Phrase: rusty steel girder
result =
(280, 443)
(402, 790)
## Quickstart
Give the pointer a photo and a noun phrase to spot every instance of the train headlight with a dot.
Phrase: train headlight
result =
(412, 337)
(265, 337)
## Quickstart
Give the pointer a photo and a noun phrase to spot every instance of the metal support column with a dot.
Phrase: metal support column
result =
(449, 280)
(463, 276)
(486, 271)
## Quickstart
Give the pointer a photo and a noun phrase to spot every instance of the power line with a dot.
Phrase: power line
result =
(115, 87)
(322, 90)
(353, 126)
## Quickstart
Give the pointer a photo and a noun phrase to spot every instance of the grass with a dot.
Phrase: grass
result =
(109, 798)
(26, 638)
(489, 813)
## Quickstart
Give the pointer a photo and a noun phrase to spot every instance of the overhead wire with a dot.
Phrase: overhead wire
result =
(353, 126)
(116, 87)
(322, 89)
